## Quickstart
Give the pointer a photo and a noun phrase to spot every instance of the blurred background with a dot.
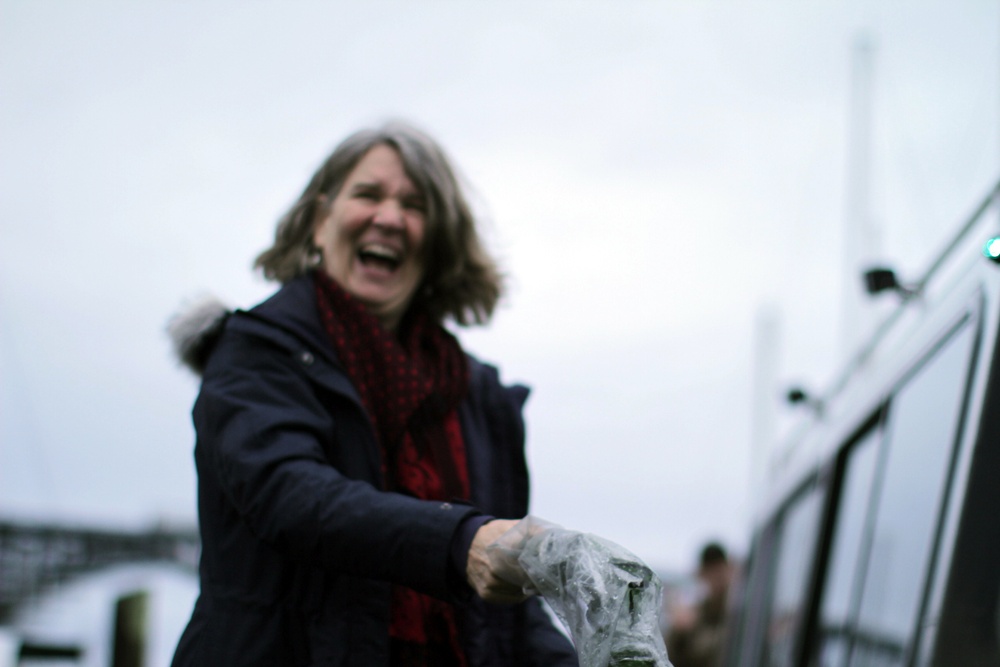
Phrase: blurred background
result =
(681, 193)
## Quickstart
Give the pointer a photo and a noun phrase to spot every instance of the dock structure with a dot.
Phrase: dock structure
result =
(37, 557)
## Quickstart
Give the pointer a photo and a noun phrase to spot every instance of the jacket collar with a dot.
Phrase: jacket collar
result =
(293, 310)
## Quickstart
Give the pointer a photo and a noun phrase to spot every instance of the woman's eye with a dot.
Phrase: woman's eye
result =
(417, 205)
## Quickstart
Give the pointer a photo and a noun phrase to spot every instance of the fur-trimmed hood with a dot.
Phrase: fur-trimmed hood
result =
(194, 330)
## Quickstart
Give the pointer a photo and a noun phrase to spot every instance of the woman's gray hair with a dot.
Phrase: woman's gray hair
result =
(461, 279)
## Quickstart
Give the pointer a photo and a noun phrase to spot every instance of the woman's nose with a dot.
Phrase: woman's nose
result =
(389, 214)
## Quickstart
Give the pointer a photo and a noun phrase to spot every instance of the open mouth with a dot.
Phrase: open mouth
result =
(380, 256)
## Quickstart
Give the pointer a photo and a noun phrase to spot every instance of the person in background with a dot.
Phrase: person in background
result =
(353, 461)
(696, 635)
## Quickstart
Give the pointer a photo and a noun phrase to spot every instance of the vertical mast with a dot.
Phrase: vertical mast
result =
(861, 243)
(766, 349)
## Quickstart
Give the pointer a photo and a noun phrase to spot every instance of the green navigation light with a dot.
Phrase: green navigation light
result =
(992, 248)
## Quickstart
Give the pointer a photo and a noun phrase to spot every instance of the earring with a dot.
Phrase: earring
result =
(314, 257)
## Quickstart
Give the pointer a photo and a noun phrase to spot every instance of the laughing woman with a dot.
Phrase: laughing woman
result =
(353, 462)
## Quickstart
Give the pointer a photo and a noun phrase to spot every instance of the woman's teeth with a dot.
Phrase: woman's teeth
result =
(380, 254)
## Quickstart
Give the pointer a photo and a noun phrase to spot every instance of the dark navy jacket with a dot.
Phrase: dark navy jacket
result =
(300, 544)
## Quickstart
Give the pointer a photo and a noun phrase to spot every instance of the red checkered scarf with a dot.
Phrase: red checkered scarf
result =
(411, 388)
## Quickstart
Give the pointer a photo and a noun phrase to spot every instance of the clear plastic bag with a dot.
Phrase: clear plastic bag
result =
(608, 599)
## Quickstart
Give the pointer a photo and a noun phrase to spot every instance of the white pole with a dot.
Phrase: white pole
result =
(862, 242)
(765, 397)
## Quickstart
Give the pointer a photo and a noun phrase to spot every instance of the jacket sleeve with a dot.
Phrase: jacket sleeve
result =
(494, 421)
(263, 435)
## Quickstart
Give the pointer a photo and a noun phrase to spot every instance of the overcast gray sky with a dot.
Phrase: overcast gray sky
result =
(654, 174)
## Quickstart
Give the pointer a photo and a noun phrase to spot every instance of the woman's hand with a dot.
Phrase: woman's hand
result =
(479, 571)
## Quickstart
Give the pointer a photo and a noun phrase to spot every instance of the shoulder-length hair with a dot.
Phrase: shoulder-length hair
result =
(461, 280)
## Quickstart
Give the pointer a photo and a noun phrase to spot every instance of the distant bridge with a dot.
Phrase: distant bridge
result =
(36, 557)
